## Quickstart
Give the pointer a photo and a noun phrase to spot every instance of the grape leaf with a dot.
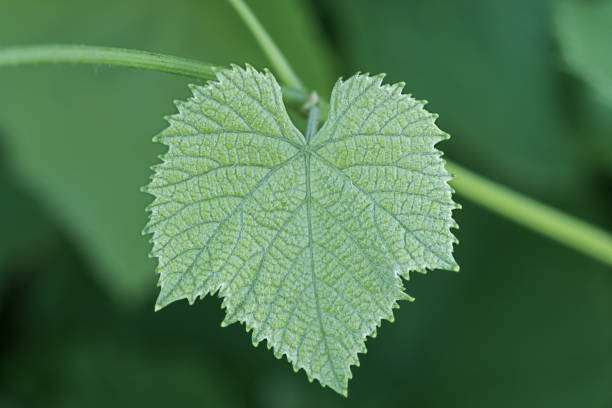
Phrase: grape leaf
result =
(584, 30)
(307, 241)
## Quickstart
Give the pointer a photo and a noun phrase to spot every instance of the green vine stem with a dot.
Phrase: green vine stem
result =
(282, 67)
(543, 219)
(539, 217)
(81, 54)
(77, 54)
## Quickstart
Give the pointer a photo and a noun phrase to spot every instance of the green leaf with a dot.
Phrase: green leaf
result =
(306, 241)
(584, 30)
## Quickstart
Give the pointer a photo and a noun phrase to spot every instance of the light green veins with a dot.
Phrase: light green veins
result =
(307, 242)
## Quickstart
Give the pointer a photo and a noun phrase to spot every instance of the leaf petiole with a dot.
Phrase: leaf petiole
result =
(314, 116)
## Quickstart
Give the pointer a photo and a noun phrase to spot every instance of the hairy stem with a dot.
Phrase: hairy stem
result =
(534, 215)
(276, 57)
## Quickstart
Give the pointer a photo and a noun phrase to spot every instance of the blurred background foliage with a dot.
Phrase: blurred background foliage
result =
(524, 87)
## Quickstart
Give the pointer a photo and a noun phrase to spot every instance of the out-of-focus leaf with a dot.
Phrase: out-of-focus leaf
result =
(584, 29)
(25, 229)
(80, 137)
(23, 224)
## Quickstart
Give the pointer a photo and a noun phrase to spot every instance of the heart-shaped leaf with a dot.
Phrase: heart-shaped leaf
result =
(307, 241)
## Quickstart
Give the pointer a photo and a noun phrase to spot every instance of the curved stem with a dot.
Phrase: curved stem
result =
(534, 215)
(276, 57)
(77, 54)
(81, 54)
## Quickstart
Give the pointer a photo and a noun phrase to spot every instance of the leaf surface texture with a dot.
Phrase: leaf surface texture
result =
(306, 241)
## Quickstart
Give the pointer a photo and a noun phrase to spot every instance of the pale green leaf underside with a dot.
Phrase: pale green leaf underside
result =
(306, 242)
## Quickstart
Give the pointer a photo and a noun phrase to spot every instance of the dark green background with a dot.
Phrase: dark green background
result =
(526, 323)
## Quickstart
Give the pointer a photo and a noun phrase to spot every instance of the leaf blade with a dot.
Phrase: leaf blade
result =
(289, 231)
